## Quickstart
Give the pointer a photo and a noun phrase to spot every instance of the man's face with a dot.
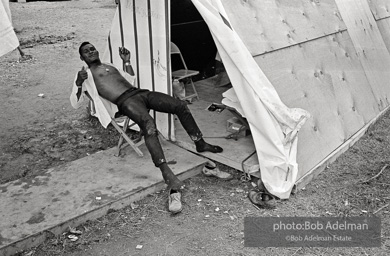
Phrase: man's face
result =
(89, 53)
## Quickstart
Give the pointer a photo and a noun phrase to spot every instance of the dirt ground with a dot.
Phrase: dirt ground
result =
(39, 132)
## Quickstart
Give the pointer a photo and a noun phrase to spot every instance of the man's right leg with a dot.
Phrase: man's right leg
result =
(135, 109)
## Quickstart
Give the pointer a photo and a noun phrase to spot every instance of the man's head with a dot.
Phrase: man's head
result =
(88, 53)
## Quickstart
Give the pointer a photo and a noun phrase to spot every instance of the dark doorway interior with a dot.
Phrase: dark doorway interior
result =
(191, 34)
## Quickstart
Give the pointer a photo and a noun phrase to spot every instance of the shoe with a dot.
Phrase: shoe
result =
(266, 195)
(257, 199)
(174, 202)
(215, 172)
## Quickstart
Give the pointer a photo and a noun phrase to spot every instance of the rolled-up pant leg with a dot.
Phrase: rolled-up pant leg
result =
(164, 103)
(135, 108)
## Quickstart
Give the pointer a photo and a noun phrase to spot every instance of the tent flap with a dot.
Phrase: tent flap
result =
(274, 126)
(8, 39)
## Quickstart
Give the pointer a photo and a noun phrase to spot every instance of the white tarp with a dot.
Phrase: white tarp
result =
(8, 39)
(274, 126)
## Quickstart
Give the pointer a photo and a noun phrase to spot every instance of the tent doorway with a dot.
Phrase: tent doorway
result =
(190, 33)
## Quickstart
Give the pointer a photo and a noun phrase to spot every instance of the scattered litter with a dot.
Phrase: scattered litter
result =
(143, 218)
(73, 238)
(376, 176)
(75, 231)
(239, 190)
(207, 216)
(133, 206)
(89, 137)
(253, 184)
(232, 194)
(380, 209)
(98, 198)
(199, 200)
(217, 209)
(139, 246)
(225, 212)
(231, 217)
(41, 95)
(346, 203)
(364, 211)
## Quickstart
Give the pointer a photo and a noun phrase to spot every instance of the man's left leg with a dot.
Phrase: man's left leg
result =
(164, 103)
(134, 107)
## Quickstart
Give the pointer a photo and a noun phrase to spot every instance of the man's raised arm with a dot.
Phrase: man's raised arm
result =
(127, 71)
(125, 56)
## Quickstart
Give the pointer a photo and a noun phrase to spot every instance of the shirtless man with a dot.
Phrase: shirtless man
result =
(112, 85)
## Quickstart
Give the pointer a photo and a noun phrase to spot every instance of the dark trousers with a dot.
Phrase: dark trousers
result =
(136, 106)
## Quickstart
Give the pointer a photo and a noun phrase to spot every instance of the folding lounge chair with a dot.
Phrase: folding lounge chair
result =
(122, 131)
(135, 143)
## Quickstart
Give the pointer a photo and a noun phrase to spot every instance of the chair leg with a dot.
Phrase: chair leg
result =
(195, 91)
(124, 136)
(195, 94)
(125, 125)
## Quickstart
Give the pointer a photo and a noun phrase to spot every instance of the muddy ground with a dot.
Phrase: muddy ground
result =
(39, 132)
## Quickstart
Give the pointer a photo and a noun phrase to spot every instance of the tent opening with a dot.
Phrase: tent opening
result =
(190, 33)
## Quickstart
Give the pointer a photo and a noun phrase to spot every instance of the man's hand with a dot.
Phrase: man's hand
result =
(81, 76)
(125, 54)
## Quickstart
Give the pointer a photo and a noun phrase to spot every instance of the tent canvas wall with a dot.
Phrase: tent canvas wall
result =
(329, 57)
(8, 39)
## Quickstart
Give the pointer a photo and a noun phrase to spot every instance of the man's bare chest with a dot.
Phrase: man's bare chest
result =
(104, 70)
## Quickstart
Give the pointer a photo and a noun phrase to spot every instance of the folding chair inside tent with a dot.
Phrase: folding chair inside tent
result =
(122, 131)
(184, 73)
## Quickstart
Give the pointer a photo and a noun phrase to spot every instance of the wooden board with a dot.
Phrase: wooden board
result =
(380, 8)
(369, 46)
(384, 28)
(266, 26)
(311, 174)
(325, 77)
(82, 190)
(213, 126)
(143, 27)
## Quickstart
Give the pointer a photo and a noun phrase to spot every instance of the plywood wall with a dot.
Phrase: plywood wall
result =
(381, 11)
(325, 77)
(329, 57)
(380, 8)
(269, 25)
(142, 27)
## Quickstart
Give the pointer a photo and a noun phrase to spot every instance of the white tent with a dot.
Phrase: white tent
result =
(8, 39)
(327, 57)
